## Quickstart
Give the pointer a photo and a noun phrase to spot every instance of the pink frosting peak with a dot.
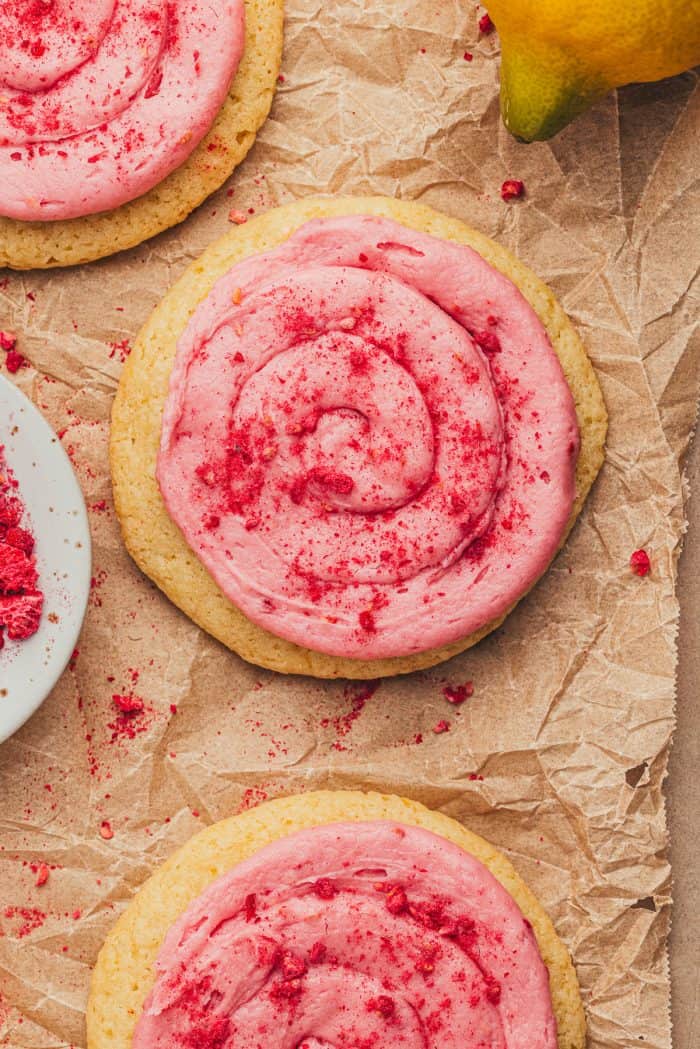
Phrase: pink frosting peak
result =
(102, 99)
(369, 441)
(353, 936)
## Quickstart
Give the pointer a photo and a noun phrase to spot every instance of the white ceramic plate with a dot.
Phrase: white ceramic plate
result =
(55, 511)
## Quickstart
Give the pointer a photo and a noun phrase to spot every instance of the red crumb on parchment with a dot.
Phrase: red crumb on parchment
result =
(133, 717)
(130, 704)
(28, 919)
(513, 189)
(120, 350)
(252, 797)
(113, 717)
(359, 696)
(42, 875)
(640, 563)
(458, 693)
(486, 26)
(21, 598)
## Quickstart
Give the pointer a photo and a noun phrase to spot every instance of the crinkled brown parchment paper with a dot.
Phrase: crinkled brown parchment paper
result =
(560, 754)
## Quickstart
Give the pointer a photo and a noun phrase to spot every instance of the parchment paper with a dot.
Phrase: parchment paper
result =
(560, 754)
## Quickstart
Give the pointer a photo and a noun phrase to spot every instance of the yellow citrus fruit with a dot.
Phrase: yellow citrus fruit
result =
(560, 56)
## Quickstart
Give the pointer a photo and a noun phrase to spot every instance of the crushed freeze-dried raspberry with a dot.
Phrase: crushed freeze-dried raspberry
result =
(458, 693)
(42, 875)
(10, 509)
(488, 341)
(396, 900)
(14, 361)
(442, 726)
(493, 990)
(486, 26)
(317, 953)
(21, 601)
(512, 189)
(20, 615)
(324, 889)
(128, 704)
(21, 539)
(17, 571)
(122, 348)
(292, 966)
(382, 1004)
(640, 563)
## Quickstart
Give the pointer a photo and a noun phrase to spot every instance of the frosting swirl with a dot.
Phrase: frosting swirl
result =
(101, 99)
(369, 441)
(351, 936)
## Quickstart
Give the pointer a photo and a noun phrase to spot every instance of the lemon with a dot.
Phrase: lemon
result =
(560, 56)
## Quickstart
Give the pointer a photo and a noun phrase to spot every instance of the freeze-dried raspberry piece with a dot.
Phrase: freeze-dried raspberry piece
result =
(21, 615)
(10, 511)
(513, 189)
(17, 571)
(20, 538)
(640, 563)
(14, 361)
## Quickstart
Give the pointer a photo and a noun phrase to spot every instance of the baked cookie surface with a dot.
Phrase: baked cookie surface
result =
(154, 540)
(64, 242)
(125, 973)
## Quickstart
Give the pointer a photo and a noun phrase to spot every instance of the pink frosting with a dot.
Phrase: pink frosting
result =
(368, 441)
(352, 936)
(101, 99)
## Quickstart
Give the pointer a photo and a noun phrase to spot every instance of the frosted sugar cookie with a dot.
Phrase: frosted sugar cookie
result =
(118, 117)
(335, 918)
(352, 437)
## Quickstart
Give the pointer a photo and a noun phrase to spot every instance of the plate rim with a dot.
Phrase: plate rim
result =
(47, 435)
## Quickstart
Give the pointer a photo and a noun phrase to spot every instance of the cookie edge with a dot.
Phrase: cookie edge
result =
(118, 991)
(195, 592)
(69, 242)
